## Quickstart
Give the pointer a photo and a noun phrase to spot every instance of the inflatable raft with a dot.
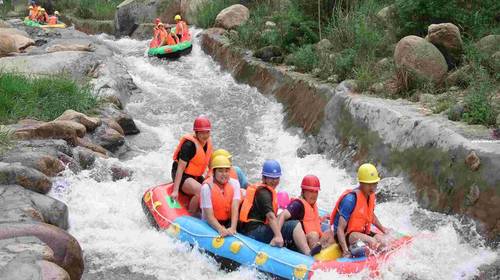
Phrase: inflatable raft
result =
(32, 23)
(173, 51)
(172, 216)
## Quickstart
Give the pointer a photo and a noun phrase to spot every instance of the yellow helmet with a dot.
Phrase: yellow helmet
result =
(30, 7)
(220, 162)
(221, 152)
(42, 9)
(177, 17)
(56, 13)
(368, 174)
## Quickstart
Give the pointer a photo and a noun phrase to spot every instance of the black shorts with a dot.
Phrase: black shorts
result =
(185, 176)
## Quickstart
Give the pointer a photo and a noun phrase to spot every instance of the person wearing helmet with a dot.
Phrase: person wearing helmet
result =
(220, 197)
(304, 209)
(258, 213)
(353, 214)
(190, 162)
(42, 17)
(181, 28)
(170, 37)
(53, 19)
(235, 172)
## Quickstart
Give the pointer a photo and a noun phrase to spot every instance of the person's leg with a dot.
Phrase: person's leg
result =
(312, 239)
(293, 234)
(370, 241)
(192, 187)
(262, 233)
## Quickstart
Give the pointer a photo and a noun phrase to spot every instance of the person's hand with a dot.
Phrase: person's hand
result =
(174, 195)
(231, 231)
(223, 232)
(277, 241)
(327, 239)
(346, 254)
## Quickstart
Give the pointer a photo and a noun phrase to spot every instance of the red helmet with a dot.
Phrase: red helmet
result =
(157, 20)
(310, 183)
(202, 123)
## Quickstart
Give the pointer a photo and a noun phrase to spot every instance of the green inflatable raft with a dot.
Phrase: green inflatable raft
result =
(173, 51)
(32, 23)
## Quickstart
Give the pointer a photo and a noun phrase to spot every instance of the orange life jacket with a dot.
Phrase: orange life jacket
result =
(232, 173)
(249, 200)
(52, 20)
(221, 202)
(361, 218)
(199, 163)
(311, 221)
(34, 13)
(170, 40)
(42, 17)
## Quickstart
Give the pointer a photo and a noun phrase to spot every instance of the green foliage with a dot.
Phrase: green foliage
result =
(304, 58)
(6, 7)
(6, 139)
(95, 9)
(476, 18)
(208, 11)
(42, 98)
(478, 103)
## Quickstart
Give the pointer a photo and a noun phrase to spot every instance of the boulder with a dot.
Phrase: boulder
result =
(44, 163)
(20, 42)
(4, 24)
(8, 31)
(232, 17)
(494, 62)
(131, 13)
(118, 172)
(108, 138)
(489, 45)
(85, 157)
(473, 161)
(7, 45)
(387, 14)
(21, 205)
(323, 46)
(67, 130)
(143, 31)
(67, 251)
(90, 123)
(420, 59)
(72, 47)
(87, 144)
(460, 77)
(27, 257)
(446, 37)
(29, 178)
(267, 53)
(123, 119)
(114, 125)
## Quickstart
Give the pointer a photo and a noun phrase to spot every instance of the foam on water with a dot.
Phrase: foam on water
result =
(107, 219)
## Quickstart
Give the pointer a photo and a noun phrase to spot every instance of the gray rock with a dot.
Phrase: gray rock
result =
(44, 163)
(21, 205)
(107, 137)
(90, 123)
(85, 157)
(267, 53)
(387, 14)
(333, 79)
(143, 31)
(232, 17)
(119, 172)
(123, 119)
(29, 178)
(67, 251)
(489, 45)
(456, 111)
(323, 46)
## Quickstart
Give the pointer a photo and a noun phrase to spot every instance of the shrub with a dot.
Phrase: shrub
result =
(304, 58)
(94, 9)
(208, 11)
(475, 18)
(6, 139)
(42, 98)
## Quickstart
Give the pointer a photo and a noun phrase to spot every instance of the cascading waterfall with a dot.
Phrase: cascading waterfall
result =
(118, 243)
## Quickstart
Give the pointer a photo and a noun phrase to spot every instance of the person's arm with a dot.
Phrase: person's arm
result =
(283, 217)
(379, 225)
(341, 237)
(273, 224)
(235, 207)
(212, 221)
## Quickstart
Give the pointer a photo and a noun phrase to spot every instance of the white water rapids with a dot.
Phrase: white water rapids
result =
(117, 241)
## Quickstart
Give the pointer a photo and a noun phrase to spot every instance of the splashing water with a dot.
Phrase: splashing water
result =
(118, 243)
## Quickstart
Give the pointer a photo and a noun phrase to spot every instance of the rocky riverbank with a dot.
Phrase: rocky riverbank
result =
(453, 166)
(34, 243)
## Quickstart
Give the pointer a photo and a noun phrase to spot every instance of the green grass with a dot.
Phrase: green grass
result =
(6, 139)
(304, 58)
(42, 98)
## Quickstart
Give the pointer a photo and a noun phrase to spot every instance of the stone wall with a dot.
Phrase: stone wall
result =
(451, 170)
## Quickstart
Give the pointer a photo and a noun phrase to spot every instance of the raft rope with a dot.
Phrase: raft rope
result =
(217, 236)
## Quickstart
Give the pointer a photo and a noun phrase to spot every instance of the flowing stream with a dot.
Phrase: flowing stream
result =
(117, 241)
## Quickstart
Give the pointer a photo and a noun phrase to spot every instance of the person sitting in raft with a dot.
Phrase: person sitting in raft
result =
(171, 38)
(220, 198)
(33, 13)
(181, 29)
(191, 159)
(235, 172)
(42, 17)
(258, 212)
(157, 36)
(53, 18)
(353, 214)
(304, 209)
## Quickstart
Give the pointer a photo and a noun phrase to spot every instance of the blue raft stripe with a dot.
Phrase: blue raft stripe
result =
(281, 261)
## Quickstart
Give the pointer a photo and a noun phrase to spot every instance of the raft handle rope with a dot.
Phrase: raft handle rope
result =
(217, 236)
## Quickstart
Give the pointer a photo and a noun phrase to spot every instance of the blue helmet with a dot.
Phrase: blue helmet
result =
(271, 169)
